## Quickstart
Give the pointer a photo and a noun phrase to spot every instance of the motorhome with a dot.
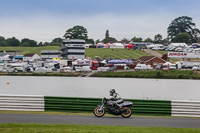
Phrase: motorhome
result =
(15, 67)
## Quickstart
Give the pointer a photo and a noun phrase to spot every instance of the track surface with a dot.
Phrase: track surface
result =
(106, 120)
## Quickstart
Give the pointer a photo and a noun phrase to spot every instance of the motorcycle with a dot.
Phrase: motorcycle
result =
(122, 108)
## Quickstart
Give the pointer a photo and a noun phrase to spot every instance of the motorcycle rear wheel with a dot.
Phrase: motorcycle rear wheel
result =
(127, 113)
(98, 112)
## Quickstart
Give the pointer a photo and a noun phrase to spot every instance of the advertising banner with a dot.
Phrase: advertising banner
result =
(183, 55)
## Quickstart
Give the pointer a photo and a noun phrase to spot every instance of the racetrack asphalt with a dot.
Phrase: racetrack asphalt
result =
(106, 120)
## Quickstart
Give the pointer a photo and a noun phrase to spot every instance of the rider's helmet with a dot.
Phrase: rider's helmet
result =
(112, 91)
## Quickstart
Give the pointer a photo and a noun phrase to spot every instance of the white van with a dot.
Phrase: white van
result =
(86, 69)
(143, 67)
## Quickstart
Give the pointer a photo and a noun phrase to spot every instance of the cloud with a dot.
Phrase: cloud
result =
(45, 27)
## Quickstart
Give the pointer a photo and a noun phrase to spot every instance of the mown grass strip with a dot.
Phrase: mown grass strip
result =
(176, 74)
(114, 53)
(68, 74)
(53, 128)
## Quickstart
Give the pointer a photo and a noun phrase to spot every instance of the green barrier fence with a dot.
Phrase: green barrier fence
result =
(78, 104)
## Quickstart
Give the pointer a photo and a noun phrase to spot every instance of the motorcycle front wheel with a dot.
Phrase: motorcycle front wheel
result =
(98, 112)
(127, 112)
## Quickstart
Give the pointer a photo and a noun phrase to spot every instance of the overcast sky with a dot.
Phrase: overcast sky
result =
(44, 20)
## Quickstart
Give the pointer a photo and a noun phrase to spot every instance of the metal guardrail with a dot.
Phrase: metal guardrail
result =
(77, 104)
(21, 102)
(185, 108)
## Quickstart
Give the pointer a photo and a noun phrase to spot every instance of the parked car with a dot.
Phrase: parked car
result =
(196, 67)
(40, 70)
(78, 68)
(171, 49)
(159, 66)
(111, 69)
(179, 49)
(67, 69)
(172, 67)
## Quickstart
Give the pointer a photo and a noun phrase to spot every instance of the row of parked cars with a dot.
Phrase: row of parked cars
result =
(177, 49)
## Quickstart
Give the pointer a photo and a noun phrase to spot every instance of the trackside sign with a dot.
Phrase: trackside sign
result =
(183, 55)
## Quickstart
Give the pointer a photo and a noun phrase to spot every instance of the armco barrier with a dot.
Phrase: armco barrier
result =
(22, 102)
(151, 107)
(77, 104)
(185, 108)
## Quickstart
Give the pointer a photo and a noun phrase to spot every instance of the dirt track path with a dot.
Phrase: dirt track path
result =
(152, 52)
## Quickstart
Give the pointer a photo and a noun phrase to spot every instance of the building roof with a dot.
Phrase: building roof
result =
(145, 58)
(29, 55)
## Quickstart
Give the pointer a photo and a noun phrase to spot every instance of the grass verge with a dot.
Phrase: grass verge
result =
(53, 128)
(42, 112)
(176, 74)
(68, 74)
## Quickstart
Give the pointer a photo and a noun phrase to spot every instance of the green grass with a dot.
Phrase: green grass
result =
(162, 52)
(91, 52)
(114, 53)
(55, 128)
(24, 50)
(175, 74)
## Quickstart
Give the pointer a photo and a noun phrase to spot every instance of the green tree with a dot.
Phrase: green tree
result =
(28, 43)
(97, 41)
(56, 42)
(158, 38)
(40, 44)
(2, 41)
(77, 32)
(182, 38)
(181, 25)
(32, 43)
(46, 44)
(25, 44)
(110, 39)
(125, 41)
(148, 40)
(107, 34)
(12, 41)
(166, 40)
(3, 44)
(89, 41)
(135, 39)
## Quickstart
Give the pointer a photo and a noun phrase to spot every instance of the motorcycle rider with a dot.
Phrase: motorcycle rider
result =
(115, 99)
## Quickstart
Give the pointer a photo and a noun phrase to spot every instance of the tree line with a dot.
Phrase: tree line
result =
(26, 42)
(180, 30)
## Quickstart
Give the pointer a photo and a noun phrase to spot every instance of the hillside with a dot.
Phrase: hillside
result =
(92, 52)
(114, 53)
(24, 50)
